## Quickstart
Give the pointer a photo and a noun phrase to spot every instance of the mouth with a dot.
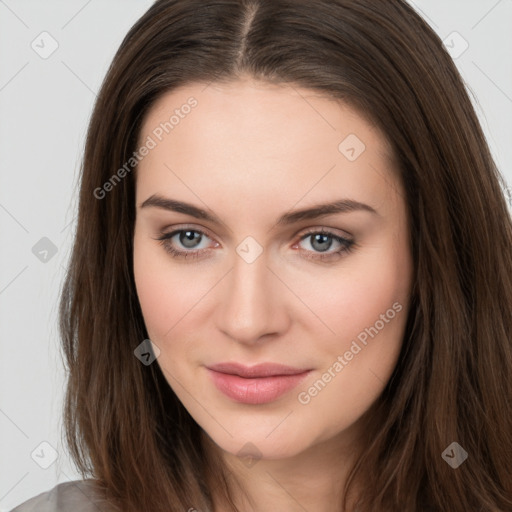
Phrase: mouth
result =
(259, 384)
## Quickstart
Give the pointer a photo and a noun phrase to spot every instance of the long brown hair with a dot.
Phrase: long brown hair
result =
(125, 426)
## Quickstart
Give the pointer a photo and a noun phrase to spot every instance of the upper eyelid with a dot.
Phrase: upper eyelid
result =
(179, 229)
(303, 233)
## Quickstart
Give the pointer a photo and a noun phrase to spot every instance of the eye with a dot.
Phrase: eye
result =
(322, 240)
(190, 239)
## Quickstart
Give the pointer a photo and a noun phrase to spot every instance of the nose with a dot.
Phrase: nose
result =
(252, 302)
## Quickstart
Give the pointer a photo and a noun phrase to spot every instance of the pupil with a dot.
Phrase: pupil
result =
(187, 238)
(318, 237)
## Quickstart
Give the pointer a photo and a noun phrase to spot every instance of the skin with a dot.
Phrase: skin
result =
(249, 152)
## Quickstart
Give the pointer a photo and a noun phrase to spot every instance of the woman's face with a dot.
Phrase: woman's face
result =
(234, 176)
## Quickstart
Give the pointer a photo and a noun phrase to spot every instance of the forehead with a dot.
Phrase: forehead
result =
(251, 138)
(249, 107)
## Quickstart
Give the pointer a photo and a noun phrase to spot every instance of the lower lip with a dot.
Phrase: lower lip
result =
(255, 391)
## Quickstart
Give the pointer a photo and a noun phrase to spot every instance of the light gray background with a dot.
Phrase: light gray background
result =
(45, 104)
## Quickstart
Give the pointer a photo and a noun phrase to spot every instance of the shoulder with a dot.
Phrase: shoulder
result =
(74, 496)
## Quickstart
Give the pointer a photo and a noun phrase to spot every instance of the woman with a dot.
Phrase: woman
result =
(291, 281)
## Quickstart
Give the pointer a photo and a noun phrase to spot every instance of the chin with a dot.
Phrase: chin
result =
(245, 443)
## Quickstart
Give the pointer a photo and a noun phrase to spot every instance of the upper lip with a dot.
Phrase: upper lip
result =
(258, 370)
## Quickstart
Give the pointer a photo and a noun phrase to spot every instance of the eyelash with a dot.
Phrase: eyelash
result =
(347, 245)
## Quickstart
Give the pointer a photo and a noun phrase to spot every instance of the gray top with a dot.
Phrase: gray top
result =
(75, 496)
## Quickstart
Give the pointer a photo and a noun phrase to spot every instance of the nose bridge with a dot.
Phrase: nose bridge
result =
(248, 307)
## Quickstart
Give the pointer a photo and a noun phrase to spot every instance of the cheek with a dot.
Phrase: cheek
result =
(365, 307)
(170, 295)
(151, 288)
(352, 297)
(165, 301)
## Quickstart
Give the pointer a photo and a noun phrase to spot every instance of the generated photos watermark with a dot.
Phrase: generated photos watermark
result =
(150, 143)
(305, 397)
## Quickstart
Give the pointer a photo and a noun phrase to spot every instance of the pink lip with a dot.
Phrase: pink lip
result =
(257, 384)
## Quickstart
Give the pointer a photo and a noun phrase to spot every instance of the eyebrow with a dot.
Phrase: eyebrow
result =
(319, 210)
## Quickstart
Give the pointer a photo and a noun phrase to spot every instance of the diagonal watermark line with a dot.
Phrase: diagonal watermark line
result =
(3, 3)
(313, 107)
(376, 376)
(300, 300)
(292, 497)
(275, 428)
(211, 82)
(10, 490)
(165, 335)
(78, 77)
(12, 280)
(195, 399)
(492, 81)
(14, 423)
(206, 206)
(386, 177)
(430, 20)
(76, 14)
(69, 223)
(312, 187)
(486, 14)
(14, 218)
(14, 76)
